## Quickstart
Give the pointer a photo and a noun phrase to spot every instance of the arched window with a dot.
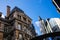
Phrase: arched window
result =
(20, 37)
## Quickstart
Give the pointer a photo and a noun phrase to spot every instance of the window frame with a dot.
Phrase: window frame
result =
(19, 36)
(19, 27)
(19, 17)
(29, 21)
(24, 18)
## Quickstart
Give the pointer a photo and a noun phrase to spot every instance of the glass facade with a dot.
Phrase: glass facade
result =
(54, 22)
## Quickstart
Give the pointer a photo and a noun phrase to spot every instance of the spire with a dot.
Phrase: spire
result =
(39, 18)
(48, 19)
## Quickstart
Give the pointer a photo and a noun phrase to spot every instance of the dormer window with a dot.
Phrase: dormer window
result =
(19, 17)
(24, 18)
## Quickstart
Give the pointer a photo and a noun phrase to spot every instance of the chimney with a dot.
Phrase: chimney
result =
(0, 14)
(8, 11)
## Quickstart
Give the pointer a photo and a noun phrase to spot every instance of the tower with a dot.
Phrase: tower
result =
(42, 25)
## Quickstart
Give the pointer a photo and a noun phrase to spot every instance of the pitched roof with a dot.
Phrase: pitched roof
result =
(19, 10)
(16, 9)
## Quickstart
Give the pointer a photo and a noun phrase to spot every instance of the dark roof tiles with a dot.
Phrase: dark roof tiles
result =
(17, 9)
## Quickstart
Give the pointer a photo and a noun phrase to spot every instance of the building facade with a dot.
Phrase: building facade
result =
(53, 25)
(16, 25)
(42, 26)
(50, 25)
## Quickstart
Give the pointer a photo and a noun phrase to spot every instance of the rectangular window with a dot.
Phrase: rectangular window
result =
(19, 26)
(29, 21)
(24, 29)
(27, 31)
(5, 28)
(19, 17)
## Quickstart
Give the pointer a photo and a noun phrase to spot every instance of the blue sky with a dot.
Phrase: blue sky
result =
(33, 8)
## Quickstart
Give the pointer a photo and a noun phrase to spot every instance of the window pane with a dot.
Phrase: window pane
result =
(19, 26)
(24, 29)
(29, 21)
(20, 37)
(19, 16)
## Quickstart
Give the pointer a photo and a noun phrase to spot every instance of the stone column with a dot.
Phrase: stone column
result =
(1, 31)
(16, 33)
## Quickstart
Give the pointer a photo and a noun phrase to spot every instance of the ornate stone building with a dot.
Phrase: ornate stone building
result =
(16, 25)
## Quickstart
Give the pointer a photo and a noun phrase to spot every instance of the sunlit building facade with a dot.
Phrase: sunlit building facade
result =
(16, 25)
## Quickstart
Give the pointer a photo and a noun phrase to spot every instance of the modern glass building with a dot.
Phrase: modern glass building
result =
(55, 24)
(50, 25)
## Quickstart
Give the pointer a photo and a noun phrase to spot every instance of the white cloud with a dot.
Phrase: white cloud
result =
(3, 16)
(38, 29)
(37, 32)
(37, 23)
